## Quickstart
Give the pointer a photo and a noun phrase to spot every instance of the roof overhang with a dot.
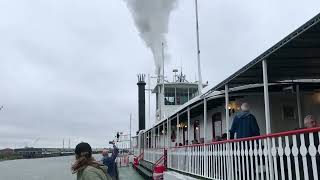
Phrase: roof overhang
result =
(295, 57)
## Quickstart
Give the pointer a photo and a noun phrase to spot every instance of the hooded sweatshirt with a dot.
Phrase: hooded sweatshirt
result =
(244, 125)
(92, 173)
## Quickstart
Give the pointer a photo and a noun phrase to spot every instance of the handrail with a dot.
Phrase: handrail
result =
(140, 156)
(272, 135)
(159, 160)
(162, 158)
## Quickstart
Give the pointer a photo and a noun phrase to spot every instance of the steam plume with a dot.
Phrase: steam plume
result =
(152, 18)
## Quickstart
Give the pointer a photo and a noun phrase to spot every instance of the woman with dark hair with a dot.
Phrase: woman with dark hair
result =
(86, 167)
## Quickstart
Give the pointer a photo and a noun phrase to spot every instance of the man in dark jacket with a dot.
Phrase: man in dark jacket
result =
(109, 161)
(244, 124)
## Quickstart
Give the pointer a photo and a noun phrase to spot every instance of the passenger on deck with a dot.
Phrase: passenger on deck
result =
(86, 167)
(195, 141)
(310, 122)
(244, 124)
(109, 161)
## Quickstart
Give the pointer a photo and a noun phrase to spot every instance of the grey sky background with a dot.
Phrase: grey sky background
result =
(68, 68)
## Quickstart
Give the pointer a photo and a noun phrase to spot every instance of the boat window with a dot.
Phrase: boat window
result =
(169, 96)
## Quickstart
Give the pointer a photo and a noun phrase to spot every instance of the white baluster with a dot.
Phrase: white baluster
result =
(219, 162)
(210, 161)
(242, 161)
(280, 152)
(274, 155)
(235, 153)
(313, 152)
(287, 153)
(224, 154)
(231, 153)
(251, 159)
(246, 154)
(303, 152)
(215, 161)
(239, 160)
(266, 158)
(295, 152)
(261, 162)
(255, 153)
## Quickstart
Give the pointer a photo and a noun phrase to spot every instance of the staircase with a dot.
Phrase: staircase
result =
(145, 169)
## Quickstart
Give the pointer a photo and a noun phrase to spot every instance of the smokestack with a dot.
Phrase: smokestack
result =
(141, 101)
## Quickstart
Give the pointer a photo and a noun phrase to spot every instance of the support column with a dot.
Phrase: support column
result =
(226, 90)
(205, 136)
(299, 105)
(144, 141)
(267, 113)
(178, 128)
(154, 139)
(150, 139)
(189, 139)
(189, 126)
(205, 120)
(168, 134)
(266, 96)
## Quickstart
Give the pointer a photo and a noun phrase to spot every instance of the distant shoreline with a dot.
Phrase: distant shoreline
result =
(20, 157)
(40, 157)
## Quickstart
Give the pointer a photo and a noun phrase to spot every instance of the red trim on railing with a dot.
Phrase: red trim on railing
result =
(273, 135)
(140, 156)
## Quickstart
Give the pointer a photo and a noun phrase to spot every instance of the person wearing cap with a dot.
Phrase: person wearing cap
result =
(109, 161)
(244, 124)
(86, 167)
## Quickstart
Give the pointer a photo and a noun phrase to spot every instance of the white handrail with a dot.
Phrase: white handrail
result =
(293, 156)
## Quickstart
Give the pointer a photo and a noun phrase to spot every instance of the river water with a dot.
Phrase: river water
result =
(57, 168)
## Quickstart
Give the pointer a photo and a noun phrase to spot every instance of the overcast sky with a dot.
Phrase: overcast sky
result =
(68, 67)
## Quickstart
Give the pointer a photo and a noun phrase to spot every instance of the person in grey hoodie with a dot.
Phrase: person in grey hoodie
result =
(244, 124)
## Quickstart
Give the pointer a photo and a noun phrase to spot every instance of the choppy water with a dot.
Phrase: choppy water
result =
(57, 168)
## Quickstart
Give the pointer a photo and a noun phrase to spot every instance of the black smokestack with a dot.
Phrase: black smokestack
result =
(142, 101)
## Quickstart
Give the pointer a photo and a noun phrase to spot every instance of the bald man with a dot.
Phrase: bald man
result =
(244, 124)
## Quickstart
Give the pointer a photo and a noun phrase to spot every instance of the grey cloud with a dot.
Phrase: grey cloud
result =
(68, 68)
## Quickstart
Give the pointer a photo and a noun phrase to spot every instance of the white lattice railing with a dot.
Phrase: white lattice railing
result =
(288, 155)
(153, 155)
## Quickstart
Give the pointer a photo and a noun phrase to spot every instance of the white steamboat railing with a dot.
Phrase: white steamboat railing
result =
(289, 155)
(153, 155)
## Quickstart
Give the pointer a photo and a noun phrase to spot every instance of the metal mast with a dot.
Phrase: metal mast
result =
(149, 94)
(198, 50)
(162, 79)
(130, 130)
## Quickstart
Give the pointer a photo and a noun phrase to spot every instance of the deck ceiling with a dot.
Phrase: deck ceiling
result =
(295, 57)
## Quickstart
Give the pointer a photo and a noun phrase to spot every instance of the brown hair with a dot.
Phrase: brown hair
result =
(82, 161)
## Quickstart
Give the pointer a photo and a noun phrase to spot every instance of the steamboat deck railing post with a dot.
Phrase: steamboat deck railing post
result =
(178, 130)
(226, 89)
(205, 136)
(189, 140)
(159, 138)
(267, 114)
(178, 137)
(299, 105)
